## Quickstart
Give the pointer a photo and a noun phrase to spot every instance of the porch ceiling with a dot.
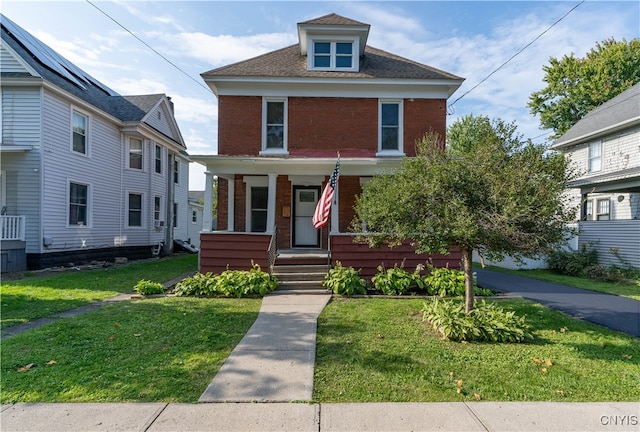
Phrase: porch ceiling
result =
(229, 165)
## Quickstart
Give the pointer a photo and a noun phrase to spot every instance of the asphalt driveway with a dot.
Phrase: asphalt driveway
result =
(615, 312)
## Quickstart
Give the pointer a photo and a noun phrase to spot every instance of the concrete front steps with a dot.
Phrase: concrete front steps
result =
(300, 278)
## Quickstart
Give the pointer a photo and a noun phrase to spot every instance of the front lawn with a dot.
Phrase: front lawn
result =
(379, 350)
(166, 349)
(36, 297)
(628, 288)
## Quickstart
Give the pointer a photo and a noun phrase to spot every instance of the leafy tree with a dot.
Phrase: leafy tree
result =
(577, 85)
(500, 195)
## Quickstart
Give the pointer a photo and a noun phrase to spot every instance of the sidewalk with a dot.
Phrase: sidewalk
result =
(231, 417)
(274, 361)
(615, 312)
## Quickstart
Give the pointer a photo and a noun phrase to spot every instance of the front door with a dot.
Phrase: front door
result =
(305, 201)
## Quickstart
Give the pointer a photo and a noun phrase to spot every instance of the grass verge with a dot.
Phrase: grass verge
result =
(379, 350)
(166, 349)
(629, 289)
(36, 297)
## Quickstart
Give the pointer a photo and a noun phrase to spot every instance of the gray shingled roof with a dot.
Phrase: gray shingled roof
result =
(289, 63)
(622, 109)
(334, 19)
(125, 108)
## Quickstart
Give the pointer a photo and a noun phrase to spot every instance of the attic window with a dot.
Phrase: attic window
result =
(333, 55)
(159, 115)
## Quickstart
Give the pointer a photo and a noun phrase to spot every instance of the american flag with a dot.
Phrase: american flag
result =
(321, 215)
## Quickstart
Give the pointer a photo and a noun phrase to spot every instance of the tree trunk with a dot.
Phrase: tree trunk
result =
(467, 266)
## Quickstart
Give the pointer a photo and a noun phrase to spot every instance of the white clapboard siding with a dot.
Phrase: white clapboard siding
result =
(100, 170)
(161, 124)
(620, 235)
(182, 199)
(9, 62)
(21, 127)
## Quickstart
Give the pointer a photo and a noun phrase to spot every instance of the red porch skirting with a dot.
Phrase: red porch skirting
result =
(361, 256)
(233, 250)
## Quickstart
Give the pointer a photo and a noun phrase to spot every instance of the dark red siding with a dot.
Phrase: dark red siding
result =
(360, 256)
(236, 251)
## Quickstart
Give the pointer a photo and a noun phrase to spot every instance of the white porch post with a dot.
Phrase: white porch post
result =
(271, 203)
(208, 201)
(335, 220)
(231, 200)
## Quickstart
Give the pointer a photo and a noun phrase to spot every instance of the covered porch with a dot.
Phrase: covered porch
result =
(265, 208)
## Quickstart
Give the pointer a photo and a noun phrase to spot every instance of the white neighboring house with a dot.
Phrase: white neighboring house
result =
(196, 210)
(85, 173)
(605, 147)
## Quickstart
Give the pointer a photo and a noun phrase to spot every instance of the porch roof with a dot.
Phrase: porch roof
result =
(251, 165)
(627, 180)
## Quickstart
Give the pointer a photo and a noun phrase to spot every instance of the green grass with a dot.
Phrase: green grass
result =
(629, 289)
(166, 349)
(40, 297)
(375, 350)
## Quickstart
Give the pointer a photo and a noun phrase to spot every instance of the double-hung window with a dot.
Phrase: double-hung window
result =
(595, 156)
(78, 204)
(603, 209)
(79, 133)
(274, 126)
(158, 159)
(390, 127)
(176, 171)
(135, 153)
(333, 55)
(259, 198)
(135, 210)
(588, 210)
(157, 207)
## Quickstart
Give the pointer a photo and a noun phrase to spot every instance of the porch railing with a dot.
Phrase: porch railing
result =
(12, 227)
(273, 248)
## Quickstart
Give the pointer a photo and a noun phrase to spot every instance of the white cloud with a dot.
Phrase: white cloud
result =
(225, 49)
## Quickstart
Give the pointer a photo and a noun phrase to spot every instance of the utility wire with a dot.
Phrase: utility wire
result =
(150, 47)
(516, 54)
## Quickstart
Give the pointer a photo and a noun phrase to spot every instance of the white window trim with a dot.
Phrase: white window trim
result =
(194, 213)
(400, 150)
(128, 162)
(597, 209)
(162, 158)
(160, 210)
(89, 223)
(176, 173)
(284, 150)
(87, 133)
(589, 216)
(355, 65)
(252, 181)
(143, 200)
(590, 158)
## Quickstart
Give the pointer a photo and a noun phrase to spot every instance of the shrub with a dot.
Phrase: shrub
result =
(445, 282)
(344, 281)
(485, 323)
(572, 263)
(397, 281)
(238, 283)
(146, 287)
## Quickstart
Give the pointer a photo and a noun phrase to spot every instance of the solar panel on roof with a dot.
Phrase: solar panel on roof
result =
(52, 59)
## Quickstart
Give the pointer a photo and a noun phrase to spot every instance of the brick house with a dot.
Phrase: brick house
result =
(284, 116)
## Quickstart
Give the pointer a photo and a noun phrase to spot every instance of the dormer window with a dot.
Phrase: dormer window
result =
(333, 55)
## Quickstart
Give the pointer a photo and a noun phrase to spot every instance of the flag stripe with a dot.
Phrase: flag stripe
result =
(321, 215)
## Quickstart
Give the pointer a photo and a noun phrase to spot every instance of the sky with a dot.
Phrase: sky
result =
(147, 47)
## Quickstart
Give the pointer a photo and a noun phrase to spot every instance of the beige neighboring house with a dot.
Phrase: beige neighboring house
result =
(605, 147)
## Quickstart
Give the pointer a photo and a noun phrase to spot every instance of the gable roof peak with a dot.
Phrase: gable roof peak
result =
(333, 19)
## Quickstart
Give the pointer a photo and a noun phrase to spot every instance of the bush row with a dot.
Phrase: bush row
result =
(229, 283)
(443, 282)
(584, 263)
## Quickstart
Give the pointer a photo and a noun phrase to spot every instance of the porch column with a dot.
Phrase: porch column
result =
(335, 220)
(231, 200)
(271, 203)
(208, 201)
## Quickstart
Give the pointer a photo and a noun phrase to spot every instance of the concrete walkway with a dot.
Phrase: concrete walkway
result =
(232, 417)
(274, 361)
(615, 312)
